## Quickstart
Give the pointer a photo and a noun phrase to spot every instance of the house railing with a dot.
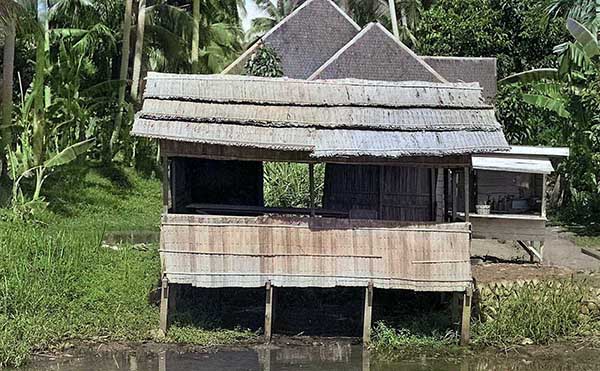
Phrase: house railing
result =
(295, 251)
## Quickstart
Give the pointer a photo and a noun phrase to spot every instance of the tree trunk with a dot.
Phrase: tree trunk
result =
(40, 91)
(139, 46)
(8, 66)
(122, 76)
(195, 35)
(8, 63)
(394, 19)
(403, 17)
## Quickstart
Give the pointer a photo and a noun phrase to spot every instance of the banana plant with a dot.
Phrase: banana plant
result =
(550, 88)
(20, 159)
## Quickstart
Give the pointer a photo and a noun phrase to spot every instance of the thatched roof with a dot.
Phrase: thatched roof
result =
(466, 69)
(375, 54)
(328, 119)
(305, 39)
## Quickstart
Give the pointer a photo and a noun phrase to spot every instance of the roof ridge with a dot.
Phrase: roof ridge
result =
(387, 33)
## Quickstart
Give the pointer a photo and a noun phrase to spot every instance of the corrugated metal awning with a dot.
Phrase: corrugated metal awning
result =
(512, 164)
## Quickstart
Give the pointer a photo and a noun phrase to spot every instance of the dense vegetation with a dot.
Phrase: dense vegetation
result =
(72, 72)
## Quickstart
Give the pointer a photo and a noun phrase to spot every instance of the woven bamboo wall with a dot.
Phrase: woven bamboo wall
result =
(217, 251)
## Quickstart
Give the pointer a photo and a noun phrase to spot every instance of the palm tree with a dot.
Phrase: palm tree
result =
(275, 13)
(139, 46)
(7, 86)
(122, 75)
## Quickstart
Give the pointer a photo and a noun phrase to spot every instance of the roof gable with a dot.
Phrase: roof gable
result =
(305, 39)
(375, 54)
(468, 69)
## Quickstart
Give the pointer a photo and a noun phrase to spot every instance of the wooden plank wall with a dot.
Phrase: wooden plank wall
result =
(218, 251)
(381, 192)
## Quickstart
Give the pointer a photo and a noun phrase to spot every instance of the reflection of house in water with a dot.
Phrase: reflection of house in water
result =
(406, 142)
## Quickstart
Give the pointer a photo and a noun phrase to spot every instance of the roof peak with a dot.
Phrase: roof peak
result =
(368, 29)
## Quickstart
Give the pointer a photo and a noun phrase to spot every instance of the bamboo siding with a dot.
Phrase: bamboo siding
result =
(219, 251)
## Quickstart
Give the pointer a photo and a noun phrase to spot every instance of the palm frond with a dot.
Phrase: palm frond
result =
(584, 37)
(531, 76)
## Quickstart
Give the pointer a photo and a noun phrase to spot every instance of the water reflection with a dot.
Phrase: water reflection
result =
(333, 357)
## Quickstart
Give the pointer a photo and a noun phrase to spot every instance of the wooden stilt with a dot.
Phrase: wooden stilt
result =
(541, 251)
(366, 360)
(467, 180)
(265, 358)
(368, 312)
(268, 312)
(465, 328)
(162, 361)
(454, 194)
(166, 184)
(311, 185)
(164, 305)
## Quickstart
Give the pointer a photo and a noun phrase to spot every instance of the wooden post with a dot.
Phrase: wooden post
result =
(543, 196)
(381, 191)
(465, 328)
(311, 185)
(433, 182)
(366, 360)
(162, 361)
(164, 305)
(467, 180)
(446, 195)
(166, 184)
(368, 313)
(269, 312)
(454, 194)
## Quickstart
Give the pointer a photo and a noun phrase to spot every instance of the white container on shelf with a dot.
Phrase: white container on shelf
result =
(483, 209)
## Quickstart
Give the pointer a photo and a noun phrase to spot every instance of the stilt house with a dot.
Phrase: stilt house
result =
(410, 147)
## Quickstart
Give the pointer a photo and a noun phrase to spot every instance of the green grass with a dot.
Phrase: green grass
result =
(591, 242)
(389, 343)
(535, 314)
(59, 284)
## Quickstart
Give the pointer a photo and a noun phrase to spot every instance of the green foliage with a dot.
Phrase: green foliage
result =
(389, 343)
(571, 92)
(59, 283)
(264, 63)
(540, 314)
(287, 184)
(510, 30)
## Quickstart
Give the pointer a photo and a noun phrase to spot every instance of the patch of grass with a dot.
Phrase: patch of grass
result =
(197, 336)
(390, 343)
(534, 314)
(58, 283)
(591, 242)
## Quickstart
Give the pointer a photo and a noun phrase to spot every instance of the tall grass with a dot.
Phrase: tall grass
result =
(536, 314)
(390, 343)
(57, 281)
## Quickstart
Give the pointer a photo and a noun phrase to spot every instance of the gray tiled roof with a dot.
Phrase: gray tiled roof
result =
(375, 54)
(464, 69)
(305, 39)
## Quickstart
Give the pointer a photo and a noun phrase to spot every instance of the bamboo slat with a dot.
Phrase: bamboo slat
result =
(219, 251)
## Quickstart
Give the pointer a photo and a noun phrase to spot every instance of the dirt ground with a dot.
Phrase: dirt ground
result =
(505, 261)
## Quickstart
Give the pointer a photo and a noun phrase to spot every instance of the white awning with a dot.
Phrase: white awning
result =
(512, 164)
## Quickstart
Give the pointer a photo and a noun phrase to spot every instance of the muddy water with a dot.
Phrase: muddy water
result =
(334, 357)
